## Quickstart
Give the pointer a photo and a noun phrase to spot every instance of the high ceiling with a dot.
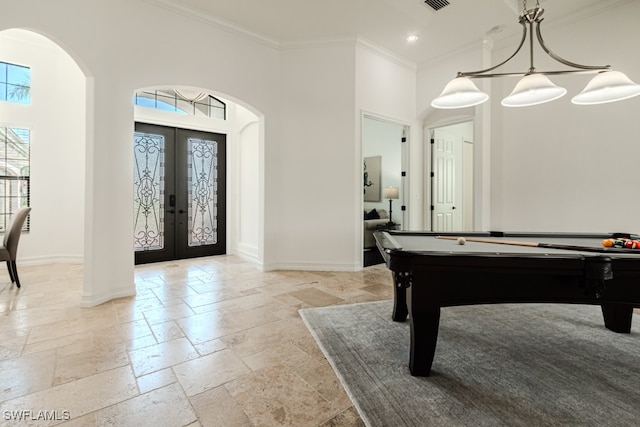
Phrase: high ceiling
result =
(386, 23)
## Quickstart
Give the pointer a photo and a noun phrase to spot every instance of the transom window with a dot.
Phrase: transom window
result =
(14, 173)
(15, 83)
(177, 101)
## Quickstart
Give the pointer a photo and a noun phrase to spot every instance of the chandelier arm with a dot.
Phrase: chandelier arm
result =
(525, 73)
(562, 60)
(482, 72)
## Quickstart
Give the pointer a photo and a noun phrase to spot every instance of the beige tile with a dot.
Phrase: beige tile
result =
(232, 333)
(79, 397)
(77, 365)
(347, 418)
(156, 380)
(323, 379)
(273, 355)
(167, 331)
(159, 356)
(27, 374)
(216, 408)
(135, 334)
(167, 406)
(284, 399)
(209, 347)
(210, 371)
(269, 335)
(316, 297)
(165, 314)
(218, 323)
(12, 342)
(69, 327)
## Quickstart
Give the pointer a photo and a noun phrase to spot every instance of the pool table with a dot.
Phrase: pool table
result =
(430, 273)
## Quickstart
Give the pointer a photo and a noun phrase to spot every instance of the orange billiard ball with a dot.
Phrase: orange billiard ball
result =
(607, 243)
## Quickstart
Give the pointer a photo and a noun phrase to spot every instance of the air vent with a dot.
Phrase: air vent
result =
(436, 4)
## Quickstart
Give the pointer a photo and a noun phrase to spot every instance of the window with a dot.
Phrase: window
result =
(15, 83)
(14, 173)
(175, 101)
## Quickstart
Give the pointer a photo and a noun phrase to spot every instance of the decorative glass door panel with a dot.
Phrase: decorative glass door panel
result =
(148, 191)
(179, 193)
(203, 192)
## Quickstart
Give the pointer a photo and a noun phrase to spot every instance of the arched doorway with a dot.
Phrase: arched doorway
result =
(225, 130)
(57, 121)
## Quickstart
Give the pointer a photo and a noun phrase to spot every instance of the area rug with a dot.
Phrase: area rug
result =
(500, 365)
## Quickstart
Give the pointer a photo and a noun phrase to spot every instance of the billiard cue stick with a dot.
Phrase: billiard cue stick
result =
(542, 245)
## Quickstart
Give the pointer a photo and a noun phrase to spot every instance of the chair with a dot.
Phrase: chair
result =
(9, 247)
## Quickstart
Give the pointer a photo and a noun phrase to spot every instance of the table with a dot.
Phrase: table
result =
(431, 273)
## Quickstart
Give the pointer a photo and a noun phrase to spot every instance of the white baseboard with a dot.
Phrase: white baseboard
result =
(249, 252)
(91, 300)
(311, 266)
(53, 259)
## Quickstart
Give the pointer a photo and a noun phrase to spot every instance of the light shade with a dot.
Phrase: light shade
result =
(391, 192)
(459, 93)
(533, 89)
(608, 86)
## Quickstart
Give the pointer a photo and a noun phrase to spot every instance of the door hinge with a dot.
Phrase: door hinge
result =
(403, 173)
(433, 174)
(404, 139)
(433, 208)
(433, 141)
(403, 208)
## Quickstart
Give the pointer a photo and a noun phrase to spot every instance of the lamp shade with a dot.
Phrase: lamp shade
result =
(459, 93)
(391, 193)
(608, 86)
(533, 89)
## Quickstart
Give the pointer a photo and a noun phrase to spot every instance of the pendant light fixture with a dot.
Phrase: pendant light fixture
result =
(535, 87)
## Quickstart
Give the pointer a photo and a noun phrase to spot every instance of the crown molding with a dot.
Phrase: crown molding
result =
(324, 42)
(218, 23)
(387, 54)
(277, 44)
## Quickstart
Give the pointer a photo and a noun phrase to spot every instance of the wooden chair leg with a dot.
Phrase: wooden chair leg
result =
(15, 272)
(13, 280)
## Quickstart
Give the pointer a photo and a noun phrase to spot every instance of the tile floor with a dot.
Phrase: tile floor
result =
(205, 342)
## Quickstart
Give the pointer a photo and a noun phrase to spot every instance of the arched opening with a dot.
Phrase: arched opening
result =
(56, 120)
(204, 110)
(63, 160)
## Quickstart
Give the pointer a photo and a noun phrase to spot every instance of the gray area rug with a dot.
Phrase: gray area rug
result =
(500, 365)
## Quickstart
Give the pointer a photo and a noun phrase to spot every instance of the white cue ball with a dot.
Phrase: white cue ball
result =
(462, 240)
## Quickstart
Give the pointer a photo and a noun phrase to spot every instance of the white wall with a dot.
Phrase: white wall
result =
(556, 166)
(248, 194)
(316, 158)
(386, 89)
(563, 167)
(119, 51)
(56, 117)
(309, 155)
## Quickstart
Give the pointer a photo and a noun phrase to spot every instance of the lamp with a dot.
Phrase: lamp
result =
(391, 193)
(535, 87)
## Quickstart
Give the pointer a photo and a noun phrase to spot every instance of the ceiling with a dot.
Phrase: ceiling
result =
(386, 23)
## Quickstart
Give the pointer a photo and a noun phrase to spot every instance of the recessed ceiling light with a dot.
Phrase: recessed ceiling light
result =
(412, 38)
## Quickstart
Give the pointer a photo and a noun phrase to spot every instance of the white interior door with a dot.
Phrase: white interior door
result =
(447, 212)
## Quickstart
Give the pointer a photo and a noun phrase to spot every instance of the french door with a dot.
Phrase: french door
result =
(179, 193)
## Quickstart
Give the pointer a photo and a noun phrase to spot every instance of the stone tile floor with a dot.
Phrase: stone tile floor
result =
(205, 342)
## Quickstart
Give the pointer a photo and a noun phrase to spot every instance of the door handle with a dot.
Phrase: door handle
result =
(181, 211)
